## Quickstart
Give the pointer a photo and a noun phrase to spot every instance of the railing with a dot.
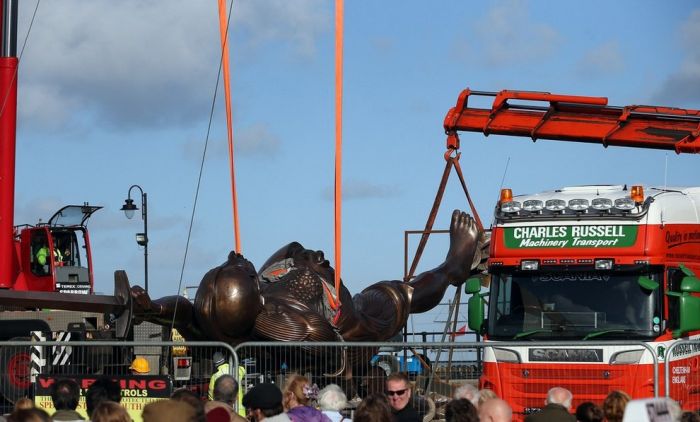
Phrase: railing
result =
(520, 372)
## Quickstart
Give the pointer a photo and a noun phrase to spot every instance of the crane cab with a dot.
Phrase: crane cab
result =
(55, 256)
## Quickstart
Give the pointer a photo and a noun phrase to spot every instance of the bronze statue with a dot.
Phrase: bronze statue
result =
(291, 298)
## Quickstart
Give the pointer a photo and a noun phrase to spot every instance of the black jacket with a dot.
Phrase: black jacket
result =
(551, 413)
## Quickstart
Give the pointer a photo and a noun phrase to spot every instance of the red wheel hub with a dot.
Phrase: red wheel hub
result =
(18, 370)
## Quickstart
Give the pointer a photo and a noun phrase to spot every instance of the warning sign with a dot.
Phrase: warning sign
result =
(136, 390)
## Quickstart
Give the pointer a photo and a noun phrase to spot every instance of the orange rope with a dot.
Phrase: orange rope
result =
(338, 136)
(223, 28)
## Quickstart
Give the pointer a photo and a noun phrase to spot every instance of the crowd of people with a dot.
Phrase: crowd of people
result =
(472, 405)
(301, 401)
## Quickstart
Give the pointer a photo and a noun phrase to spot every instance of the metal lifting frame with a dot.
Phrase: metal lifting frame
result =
(576, 118)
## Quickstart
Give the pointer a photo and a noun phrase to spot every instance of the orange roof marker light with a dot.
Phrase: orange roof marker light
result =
(506, 195)
(509, 206)
(637, 194)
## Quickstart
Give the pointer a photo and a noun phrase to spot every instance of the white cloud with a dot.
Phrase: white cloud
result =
(602, 60)
(255, 140)
(508, 35)
(683, 87)
(133, 64)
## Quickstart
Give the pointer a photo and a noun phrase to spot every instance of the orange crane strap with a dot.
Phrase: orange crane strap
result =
(575, 118)
(338, 197)
(223, 29)
(451, 162)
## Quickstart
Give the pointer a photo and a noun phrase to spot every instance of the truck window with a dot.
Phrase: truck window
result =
(673, 283)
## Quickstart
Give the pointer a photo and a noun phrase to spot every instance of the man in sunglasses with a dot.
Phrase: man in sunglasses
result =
(398, 388)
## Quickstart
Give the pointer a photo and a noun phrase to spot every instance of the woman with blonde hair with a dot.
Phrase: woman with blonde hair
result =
(614, 405)
(297, 395)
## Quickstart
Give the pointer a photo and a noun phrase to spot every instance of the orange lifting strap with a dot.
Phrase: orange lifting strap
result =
(335, 300)
(577, 119)
(223, 28)
(451, 161)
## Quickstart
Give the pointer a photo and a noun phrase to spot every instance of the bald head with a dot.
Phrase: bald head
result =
(495, 410)
(559, 395)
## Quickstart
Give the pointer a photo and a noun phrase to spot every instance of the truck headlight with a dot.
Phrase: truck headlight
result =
(511, 207)
(628, 357)
(506, 356)
(555, 204)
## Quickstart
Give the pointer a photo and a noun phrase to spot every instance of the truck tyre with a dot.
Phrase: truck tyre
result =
(15, 364)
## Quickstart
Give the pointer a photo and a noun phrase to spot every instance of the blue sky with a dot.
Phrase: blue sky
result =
(119, 93)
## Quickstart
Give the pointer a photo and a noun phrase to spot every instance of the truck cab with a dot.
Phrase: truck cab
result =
(588, 264)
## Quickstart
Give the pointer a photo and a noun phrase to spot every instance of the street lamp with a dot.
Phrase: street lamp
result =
(141, 238)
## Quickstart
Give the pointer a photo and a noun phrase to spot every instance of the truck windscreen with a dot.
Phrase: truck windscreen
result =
(571, 305)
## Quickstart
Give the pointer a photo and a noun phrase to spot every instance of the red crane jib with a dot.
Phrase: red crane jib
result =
(575, 118)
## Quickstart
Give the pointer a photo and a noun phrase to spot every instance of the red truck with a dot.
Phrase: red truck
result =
(587, 264)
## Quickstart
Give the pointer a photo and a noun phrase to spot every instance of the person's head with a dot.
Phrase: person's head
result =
(218, 359)
(190, 397)
(332, 398)
(461, 410)
(690, 417)
(467, 391)
(495, 410)
(32, 414)
(103, 389)
(485, 394)
(398, 390)
(139, 366)
(297, 391)
(560, 396)
(109, 411)
(373, 408)
(226, 389)
(65, 394)
(589, 412)
(24, 403)
(168, 411)
(263, 401)
(614, 405)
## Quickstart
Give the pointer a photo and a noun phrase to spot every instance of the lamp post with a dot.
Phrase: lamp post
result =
(141, 238)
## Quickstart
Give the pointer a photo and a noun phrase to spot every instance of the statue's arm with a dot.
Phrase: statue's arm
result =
(169, 310)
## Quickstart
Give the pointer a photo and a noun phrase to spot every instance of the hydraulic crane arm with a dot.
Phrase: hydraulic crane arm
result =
(576, 118)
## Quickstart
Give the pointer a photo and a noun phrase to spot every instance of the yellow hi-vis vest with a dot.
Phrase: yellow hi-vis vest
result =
(224, 369)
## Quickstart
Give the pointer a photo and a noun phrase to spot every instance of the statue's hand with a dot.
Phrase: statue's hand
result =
(143, 305)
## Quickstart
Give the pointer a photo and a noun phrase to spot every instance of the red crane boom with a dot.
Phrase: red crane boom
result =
(575, 118)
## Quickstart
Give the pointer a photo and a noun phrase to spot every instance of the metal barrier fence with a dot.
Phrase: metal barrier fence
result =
(682, 373)
(28, 368)
(520, 372)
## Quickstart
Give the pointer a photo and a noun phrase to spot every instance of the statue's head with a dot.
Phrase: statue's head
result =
(295, 256)
(227, 293)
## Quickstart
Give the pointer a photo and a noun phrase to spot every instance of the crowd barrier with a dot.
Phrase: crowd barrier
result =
(521, 372)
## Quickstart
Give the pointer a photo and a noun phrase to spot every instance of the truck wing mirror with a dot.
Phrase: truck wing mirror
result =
(647, 283)
(475, 305)
(473, 285)
(689, 305)
(475, 312)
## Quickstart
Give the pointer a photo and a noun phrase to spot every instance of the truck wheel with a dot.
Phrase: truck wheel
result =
(15, 364)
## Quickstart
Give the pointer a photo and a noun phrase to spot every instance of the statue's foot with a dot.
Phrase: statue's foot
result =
(464, 242)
